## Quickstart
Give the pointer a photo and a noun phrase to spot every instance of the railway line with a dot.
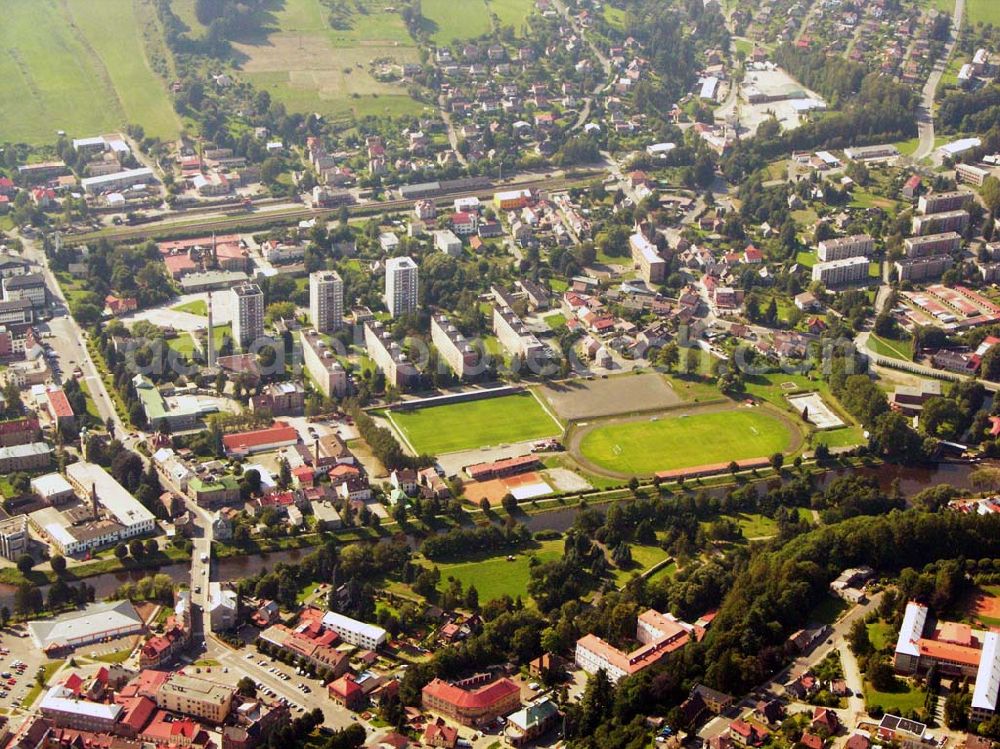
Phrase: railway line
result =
(252, 221)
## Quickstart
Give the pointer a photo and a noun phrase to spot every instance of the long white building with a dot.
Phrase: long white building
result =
(355, 632)
(117, 180)
(322, 365)
(838, 272)
(90, 480)
(858, 245)
(388, 355)
(514, 335)
(452, 346)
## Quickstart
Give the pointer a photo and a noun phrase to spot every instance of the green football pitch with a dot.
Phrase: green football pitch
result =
(663, 444)
(472, 424)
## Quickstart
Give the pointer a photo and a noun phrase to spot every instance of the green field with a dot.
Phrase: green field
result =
(882, 635)
(447, 21)
(467, 426)
(899, 702)
(494, 576)
(511, 13)
(195, 307)
(77, 66)
(982, 11)
(842, 437)
(893, 349)
(310, 66)
(555, 320)
(644, 447)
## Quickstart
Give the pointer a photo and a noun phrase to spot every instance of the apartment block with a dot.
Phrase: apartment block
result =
(937, 223)
(923, 268)
(839, 272)
(514, 335)
(841, 248)
(932, 244)
(971, 174)
(322, 365)
(646, 257)
(388, 356)
(199, 698)
(402, 285)
(453, 347)
(942, 202)
(326, 300)
(247, 313)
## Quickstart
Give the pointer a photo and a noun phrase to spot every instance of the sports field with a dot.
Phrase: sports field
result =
(311, 66)
(473, 424)
(84, 72)
(646, 446)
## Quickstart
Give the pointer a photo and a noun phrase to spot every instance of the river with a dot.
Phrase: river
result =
(912, 480)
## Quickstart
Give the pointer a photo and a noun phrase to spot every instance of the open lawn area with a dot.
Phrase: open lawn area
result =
(646, 446)
(466, 426)
(882, 635)
(893, 349)
(78, 66)
(555, 320)
(899, 702)
(493, 575)
(183, 344)
(645, 557)
(843, 437)
(806, 258)
(194, 307)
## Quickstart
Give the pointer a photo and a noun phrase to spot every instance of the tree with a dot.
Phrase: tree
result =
(956, 709)
(121, 551)
(25, 563)
(136, 548)
(509, 503)
(886, 326)
(472, 599)
(58, 563)
(881, 675)
(858, 640)
(247, 687)
(777, 460)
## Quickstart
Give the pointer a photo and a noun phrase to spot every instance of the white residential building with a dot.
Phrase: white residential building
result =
(402, 285)
(326, 300)
(354, 632)
(247, 313)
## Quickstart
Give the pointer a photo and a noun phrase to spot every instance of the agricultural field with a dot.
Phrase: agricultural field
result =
(83, 72)
(511, 12)
(310, 66)
(495, 576)
(446, 21)
(466, 426)
(646, 446)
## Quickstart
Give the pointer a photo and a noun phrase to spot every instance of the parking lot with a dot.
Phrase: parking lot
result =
(19, 662)
(277, 679)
